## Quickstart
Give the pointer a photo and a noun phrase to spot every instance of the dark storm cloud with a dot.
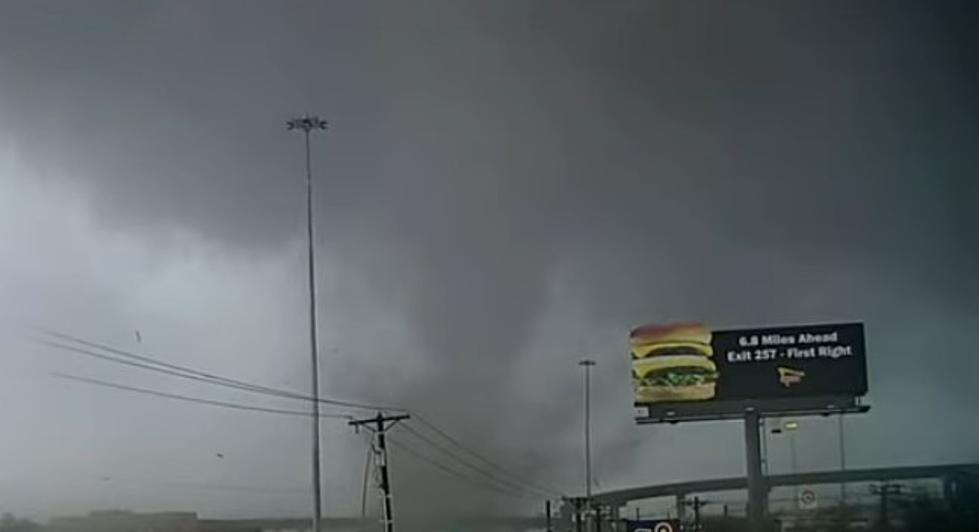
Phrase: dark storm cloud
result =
(737, 164)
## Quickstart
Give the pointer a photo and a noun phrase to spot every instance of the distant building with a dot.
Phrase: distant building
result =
(124, 521)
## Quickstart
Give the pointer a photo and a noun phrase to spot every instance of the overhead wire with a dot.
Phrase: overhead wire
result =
(435, 463)
(161, 366)
(449, 438)
(449, 470)
(191, 399)
(101, 356)
(509, 484)
(164, 367)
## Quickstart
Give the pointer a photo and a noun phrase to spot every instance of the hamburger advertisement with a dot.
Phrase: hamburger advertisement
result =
(688, 362)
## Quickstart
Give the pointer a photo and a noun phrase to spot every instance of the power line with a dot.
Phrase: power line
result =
(454, 473)
(191, 399)
(206, 486)
(482, 458)
(509, 484)
(130, 363)
(184, 372)
(134, 356)
(154, 364)
(238, 406)
(484, 475)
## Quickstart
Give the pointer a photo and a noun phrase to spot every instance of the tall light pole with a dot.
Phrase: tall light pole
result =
(842, 460)
(308, 124)
(764, 447)
(587, 364)
(792, 427)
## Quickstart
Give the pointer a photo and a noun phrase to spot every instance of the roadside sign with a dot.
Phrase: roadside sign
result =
(657, 525)
(807, 500)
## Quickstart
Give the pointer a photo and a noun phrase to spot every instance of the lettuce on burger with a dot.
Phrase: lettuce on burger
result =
(672, 363)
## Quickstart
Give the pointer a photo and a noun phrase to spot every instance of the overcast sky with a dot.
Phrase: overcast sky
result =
(505, 188)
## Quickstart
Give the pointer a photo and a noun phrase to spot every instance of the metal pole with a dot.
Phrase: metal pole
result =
(885, 522)
(587, 364)
(756, 487)
(795, 464)
(764, 448)
(588, 433)
(313, 347)
(842, 460)
(306, 124)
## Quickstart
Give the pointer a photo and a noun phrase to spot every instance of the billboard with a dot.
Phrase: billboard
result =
(689, 363)
(657, 525)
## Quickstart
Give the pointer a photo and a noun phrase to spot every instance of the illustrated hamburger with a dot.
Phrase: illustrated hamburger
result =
(672, 363)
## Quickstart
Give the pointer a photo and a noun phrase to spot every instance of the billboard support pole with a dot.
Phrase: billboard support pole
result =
(756, 488)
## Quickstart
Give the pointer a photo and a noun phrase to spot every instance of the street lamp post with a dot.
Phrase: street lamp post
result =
(842, 460)
(764, 447)
(587, 364)
(308, 124)
(792, 427)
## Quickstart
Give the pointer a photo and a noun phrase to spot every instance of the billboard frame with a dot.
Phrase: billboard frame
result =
(736, 409)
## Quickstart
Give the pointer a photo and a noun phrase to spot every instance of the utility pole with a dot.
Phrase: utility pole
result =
(307, 124)
(697, 504)
(885, 490)
(380, 424)
(578, 503)
(547, 515)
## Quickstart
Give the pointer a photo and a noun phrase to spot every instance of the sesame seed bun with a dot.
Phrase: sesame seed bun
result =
(680, 332)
